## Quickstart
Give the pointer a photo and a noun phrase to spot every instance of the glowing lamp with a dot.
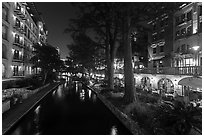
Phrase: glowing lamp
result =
(195, 48)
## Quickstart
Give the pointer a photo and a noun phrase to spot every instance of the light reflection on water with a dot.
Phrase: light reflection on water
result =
(82, 95)
(57, 118)
(114, 130)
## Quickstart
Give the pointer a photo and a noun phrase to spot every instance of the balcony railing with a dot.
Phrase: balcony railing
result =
(190, 70)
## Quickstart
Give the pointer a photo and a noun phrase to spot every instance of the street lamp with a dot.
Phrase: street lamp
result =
(195, 48)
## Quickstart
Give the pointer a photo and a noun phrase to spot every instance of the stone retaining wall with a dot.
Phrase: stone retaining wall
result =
(127, 121)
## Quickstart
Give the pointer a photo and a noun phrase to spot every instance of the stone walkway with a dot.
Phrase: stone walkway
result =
(13, 115)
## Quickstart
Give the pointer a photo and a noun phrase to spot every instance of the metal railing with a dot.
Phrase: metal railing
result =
(190, 70)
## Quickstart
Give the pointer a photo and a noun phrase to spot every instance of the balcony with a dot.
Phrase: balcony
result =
(18, 58)
(18, 43)
(190, 70)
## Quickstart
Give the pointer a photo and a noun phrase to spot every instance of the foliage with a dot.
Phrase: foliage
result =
(47, 58)
(85, 52)
(176, 119)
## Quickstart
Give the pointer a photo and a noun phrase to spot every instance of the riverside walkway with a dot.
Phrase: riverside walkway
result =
(13, 115)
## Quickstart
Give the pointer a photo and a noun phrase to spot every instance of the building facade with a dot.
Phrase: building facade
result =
(175, 51)
(21, 28)
(161, 41)
(187, 47)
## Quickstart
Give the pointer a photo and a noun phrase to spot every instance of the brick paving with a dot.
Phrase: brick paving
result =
(13, 115)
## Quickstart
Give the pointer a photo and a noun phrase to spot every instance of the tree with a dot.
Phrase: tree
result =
(47, 58)
(103, 19)
(85, 53)
(134, 14)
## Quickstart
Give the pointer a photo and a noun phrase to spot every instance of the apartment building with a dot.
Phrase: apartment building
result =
(187, 46)
(22, 26)
(161, 41)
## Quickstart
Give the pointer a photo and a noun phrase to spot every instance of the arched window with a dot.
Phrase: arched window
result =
(166, 85)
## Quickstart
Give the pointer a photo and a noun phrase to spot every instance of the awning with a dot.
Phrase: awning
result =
(194, 82)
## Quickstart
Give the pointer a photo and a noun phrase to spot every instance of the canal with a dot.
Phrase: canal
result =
(70, 109)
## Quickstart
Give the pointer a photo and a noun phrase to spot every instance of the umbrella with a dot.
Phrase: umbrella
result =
(194, 82)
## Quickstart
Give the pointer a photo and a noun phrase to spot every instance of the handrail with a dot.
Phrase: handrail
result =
(190, 70)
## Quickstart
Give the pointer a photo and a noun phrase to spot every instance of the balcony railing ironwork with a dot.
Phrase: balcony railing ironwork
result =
(190, 70)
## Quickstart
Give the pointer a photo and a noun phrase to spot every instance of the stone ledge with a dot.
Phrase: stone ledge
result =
(127, 121)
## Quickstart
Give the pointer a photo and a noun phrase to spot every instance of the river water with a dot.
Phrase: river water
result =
(70, 109)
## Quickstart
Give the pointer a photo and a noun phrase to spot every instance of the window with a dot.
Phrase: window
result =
(18, 7)
(189, 62)
(4, 32)
(4, 51)
(183, 31)
(161, 48)
(154, 50)
(166, 21)
(5, 13)
(189, 15)
(183, 16)
(161, 63)
(16, 54)
(177, 20)
(17, 39)
(177, 34)
(17, 22)
(15, 70)
(161, 35)
(154, 37)
(189, 30)
(154, 26)
(200, 10)
(162, 23)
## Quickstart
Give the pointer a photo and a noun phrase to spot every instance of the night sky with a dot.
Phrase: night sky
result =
(56, 16)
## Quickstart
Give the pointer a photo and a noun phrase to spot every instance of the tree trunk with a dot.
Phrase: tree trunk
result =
(45, 77)
(110, 68)
(128, 70)
(109, 60)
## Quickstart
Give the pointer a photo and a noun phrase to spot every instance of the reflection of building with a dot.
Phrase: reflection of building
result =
(188, 36)
(21, 28)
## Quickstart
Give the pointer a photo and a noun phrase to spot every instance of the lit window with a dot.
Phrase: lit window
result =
(18, 7)
(183, 18)
(183, 31)
(189, 62)
(17, 39)
(177, 33)
(17, 22)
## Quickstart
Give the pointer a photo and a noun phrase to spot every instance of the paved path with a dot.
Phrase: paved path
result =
(13, 115)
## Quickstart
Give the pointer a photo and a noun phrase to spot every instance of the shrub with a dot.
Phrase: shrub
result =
(140, 112)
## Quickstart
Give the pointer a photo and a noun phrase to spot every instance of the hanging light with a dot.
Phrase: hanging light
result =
(195, 48)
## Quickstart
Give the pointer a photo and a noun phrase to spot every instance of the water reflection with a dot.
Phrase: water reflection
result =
(82, 95)
(70, 114)
(114, 130)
